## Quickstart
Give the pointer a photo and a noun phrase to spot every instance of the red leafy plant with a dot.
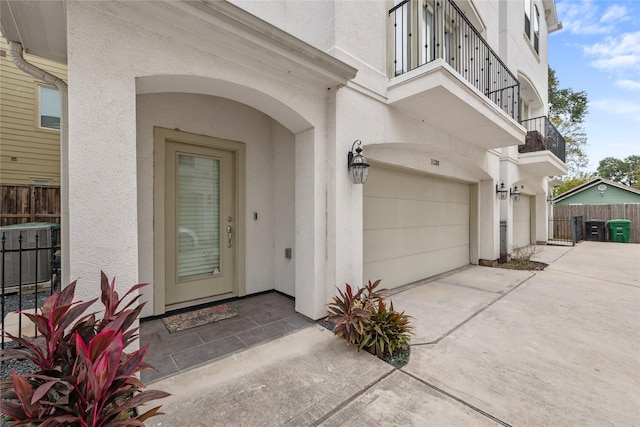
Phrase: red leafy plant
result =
(86, 378)
(363, 319)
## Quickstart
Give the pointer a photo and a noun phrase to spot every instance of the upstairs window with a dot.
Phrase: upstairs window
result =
(534, 36)
(50, 108)
(527, 18)
(536, 29)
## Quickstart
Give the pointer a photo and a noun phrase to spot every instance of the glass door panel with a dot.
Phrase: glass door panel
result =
(198, 194)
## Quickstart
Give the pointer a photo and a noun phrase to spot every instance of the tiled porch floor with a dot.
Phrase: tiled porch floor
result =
(260, 318)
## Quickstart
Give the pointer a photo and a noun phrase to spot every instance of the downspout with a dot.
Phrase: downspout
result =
(16, 53)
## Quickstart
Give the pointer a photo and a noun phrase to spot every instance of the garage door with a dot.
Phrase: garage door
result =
(415, 226)
(522, 222)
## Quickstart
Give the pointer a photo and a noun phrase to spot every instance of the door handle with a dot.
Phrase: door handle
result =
(229, 235)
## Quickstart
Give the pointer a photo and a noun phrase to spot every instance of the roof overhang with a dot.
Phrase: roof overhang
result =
(40, 26)
(551, 16)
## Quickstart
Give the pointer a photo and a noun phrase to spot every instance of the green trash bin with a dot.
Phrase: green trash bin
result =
(619, 230)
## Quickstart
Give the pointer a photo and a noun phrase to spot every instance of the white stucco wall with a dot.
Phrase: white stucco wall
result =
(297, 130)
(113, 44)
(312, 21)
(356, 43)
(284, 212)
(269, 180)
(102, 163)
(516, 49)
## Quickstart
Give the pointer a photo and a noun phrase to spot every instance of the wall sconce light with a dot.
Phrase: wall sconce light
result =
(358, 166)
(501, 191)
(515, 194)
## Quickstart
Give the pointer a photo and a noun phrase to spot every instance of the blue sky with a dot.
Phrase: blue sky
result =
(598, 51)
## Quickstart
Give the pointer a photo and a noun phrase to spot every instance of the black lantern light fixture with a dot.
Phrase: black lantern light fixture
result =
(515, 194)
(501, 191)
(358, 166)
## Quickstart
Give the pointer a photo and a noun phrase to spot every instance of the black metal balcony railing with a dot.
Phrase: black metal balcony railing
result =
(543, 135)
(437, 29)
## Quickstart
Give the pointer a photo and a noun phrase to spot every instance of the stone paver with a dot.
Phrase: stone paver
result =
(296, 380)
(554, 347)
(560, 350)
(550, 254)
(400, 400)
(438, 307)
(615, 262)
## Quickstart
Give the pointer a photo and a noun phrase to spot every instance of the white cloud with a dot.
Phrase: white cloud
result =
(614, 13)
(618, 107)
(616, 53)
(579, 17)
(628, 84)
(585, 19)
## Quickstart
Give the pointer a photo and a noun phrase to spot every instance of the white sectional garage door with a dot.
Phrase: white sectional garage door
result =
(521, 222)
(415, 226)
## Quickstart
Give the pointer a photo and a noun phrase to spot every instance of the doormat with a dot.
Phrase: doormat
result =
(191, 319)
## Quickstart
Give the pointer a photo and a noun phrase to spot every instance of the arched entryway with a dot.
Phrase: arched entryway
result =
(211, 134)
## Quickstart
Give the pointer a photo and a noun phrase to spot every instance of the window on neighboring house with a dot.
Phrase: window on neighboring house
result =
(536, 29)
(50, 108)
(41, 182)
(527, 18)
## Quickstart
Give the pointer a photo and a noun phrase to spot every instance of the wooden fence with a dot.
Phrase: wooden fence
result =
(29, 203)
(630, 211)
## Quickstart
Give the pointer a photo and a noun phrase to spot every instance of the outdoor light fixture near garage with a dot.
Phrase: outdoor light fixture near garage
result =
(515, 194)
(501, 191)
(358, 166)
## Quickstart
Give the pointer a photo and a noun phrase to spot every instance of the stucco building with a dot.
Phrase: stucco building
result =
(204, 144)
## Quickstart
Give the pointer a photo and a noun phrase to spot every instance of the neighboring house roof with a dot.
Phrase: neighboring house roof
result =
(592, 187)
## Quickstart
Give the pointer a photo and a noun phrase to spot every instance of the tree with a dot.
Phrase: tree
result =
(567, 111)
(625, 171)
(571, 182)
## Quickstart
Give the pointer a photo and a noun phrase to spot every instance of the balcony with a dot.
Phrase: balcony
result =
(544, 149)
(445, 73)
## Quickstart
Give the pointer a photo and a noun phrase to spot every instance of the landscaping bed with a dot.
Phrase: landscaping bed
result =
(515, 264)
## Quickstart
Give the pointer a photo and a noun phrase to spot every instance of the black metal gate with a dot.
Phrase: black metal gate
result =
(565, 232)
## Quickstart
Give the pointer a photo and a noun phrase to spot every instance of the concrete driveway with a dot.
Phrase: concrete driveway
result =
(491, 347)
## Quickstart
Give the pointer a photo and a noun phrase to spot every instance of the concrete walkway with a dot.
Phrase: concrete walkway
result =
(491, 347)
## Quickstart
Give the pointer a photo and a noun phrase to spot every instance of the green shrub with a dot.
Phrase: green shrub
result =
(364, 320)
(387, 331)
